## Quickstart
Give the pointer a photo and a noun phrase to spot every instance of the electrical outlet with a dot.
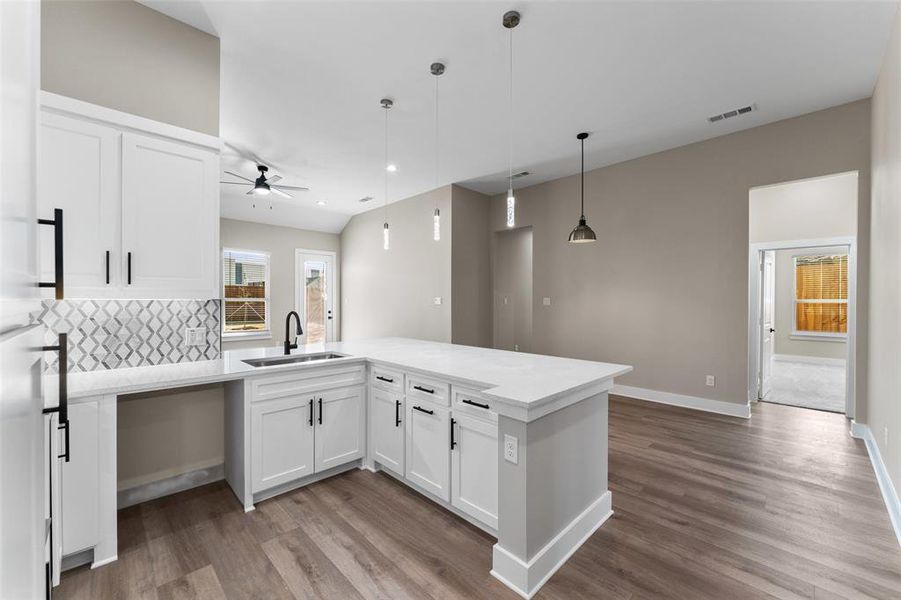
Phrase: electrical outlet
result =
(511, 449)
(195, 336)
(516, 347)
(546, 301)
(711, 380)
(437, 301)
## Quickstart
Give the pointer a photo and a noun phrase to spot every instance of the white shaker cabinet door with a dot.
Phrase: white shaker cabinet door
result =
(339, 427)
(80, 479)
(428, 447)
(281, 447)
(170, 219)
(388, 429)
(474, 468)
(78, 171)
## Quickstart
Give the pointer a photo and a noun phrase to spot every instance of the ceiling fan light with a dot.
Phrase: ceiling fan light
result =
(391, 168)
(582, 233)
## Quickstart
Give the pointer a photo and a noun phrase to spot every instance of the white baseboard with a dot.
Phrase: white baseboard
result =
(811, 360)
(889, 494)
(169, 485)
(526, 578)
(732, 409)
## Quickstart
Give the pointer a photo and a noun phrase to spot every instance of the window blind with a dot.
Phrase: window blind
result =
(821, 294)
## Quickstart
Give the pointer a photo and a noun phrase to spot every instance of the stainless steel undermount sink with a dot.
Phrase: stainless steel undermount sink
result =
(290, 359)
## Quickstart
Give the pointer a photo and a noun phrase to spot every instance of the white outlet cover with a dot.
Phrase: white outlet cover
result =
(711, 380)
(511, 449)
(547, 301)
(437, 301)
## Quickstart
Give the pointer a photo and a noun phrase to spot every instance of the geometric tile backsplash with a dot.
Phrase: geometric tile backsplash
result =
(114, 334)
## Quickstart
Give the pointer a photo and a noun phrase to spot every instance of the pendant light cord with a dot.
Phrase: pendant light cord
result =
(436, 132)
(583, 178)
(385, 166)
(510, 145)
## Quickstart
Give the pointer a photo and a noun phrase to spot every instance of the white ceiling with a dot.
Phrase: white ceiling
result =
(301, 83)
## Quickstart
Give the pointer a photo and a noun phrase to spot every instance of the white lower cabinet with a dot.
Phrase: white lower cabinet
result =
(281, 441)
(80, 480)
(388, 429)
(339, 428)
(474, 468)
(428, 447)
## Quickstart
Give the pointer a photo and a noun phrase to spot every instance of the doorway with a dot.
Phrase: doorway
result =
(512, 303)
(803, 297)
(314, 294)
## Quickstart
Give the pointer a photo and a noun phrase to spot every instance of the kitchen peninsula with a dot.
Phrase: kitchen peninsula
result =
(514, 443)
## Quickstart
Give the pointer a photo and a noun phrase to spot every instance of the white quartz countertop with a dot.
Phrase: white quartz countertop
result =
(512, 378)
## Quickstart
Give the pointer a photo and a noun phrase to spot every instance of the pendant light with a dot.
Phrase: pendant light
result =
(582, 233)
(437, 69)
(386, 242)
(511, 20)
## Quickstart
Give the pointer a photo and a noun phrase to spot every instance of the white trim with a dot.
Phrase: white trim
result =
(333, 296)
(754, 251)
(170, 485)
(889, 493)
(94, 112)
(721, 407)
(811, 360)
(526, 578)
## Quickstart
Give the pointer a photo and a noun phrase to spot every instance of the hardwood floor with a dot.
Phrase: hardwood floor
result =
(784, 505)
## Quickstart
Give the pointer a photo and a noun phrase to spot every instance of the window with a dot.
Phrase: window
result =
(245, 290)
(821, 295)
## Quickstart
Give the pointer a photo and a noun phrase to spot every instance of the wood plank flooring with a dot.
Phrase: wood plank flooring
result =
(784, 505)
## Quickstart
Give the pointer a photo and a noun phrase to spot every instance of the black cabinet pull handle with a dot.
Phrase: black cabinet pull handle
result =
(453, 442)
(479, 404)
(57, 223)
(62, 406)
(107, 267)
(423, 389)
(320, 411)
(397, 413)
(386, 379)
(425, 410)
(311, 412)
(129, 268)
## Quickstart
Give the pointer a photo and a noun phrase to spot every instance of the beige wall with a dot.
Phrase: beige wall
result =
(391, 293)
(821, 207)
(280, 242)
(883, 405)
(665, 288)
(470, 268)
(512, 269)
(786, 343)
(123, 55)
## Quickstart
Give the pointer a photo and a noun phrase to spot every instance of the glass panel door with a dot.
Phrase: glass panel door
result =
(315, 292)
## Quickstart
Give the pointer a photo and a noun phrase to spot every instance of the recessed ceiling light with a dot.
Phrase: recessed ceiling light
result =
(392, 168)
(320, 202)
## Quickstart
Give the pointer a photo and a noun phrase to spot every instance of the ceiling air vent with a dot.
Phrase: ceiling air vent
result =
(520, 174)
(366, 199)
(731, 113)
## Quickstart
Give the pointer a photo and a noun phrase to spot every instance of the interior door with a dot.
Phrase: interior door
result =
(339, 427)
(78, 171)
(767, 321)
(170, 215)
(315, 296)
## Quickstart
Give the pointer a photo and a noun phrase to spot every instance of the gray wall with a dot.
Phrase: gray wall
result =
(470, 268)
(391, 292)
(883, 408)
(123, 55)
(512, 306)
(281, 243)
(665, 287)
(786, 343)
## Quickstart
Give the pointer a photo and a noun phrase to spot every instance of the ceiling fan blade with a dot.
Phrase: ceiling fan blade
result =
(239, 176)
(296, 188)
(273, 179)
(234, 182)
(275, 190)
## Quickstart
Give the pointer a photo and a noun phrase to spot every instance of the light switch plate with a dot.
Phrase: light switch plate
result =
(437, 301)
(511, 449)
(195, 336)
(711, 380)
(546, 301)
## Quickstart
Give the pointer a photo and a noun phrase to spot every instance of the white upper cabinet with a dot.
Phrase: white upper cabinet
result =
(140, 203)
(170, 219)
(79, 173)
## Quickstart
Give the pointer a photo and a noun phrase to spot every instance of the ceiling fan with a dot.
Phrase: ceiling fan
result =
(263, 186)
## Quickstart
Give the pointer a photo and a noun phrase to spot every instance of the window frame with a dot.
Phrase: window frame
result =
(267, 300)
(825, 336)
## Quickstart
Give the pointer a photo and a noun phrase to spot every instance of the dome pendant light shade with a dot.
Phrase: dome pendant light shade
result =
(582, 233)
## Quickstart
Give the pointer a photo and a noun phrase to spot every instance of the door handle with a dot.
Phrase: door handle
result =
(62, 406)
(57, 223)
(385, 379)
(472, 403)
(397, 413)
(129, 268)
(329, 315)
(425, 410)
(320, 411)
(107, 267)
(423, 389)
(453, 442)
(311, 412)
(772, 330)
